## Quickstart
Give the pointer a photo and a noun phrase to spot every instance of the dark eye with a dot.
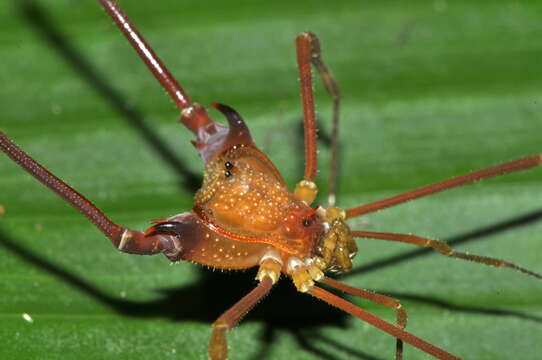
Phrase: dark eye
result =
(307, 222)
(227, 173)
(228, 165)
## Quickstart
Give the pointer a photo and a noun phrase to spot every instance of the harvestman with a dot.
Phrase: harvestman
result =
(244, 215)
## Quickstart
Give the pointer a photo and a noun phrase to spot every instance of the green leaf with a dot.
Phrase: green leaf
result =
(431, 89)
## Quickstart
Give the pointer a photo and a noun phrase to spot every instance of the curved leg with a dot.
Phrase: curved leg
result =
(304, 52)
(511, 166)
(442, 248)
(332, 88)
(124, 239)
(385, 326)
(387, 301)
(218, 346)
(309, 51)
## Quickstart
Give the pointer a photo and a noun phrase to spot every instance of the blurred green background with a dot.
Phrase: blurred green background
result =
(431, 89)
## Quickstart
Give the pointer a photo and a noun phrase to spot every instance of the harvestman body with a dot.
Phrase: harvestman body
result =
(245, 216)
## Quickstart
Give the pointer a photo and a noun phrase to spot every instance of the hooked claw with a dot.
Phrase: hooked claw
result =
(168, 227)
(212, 138)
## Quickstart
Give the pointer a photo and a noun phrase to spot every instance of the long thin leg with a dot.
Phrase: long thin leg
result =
(124, 239)
(512, 166)
(218, 347)
(304, 51)
(155, 65)
(387, 301)
(193, 115)
(442, 248)
(332, 88)
(381, 324)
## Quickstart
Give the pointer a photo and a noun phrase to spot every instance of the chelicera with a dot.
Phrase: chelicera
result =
(245, 216)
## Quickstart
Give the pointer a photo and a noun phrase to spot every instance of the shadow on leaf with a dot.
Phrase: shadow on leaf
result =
(283, 310)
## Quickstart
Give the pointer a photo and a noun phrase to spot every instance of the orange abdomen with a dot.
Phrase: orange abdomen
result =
(244, 195)
(201, 243)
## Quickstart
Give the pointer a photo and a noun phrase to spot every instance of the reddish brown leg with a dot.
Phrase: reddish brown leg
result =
(442, 248)
(194, 115)
(332, 88)
(218, 346)
(147, 54)
(512, 166)
(388, 302)
(124, 239)
(381, 324)
(304, 54)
